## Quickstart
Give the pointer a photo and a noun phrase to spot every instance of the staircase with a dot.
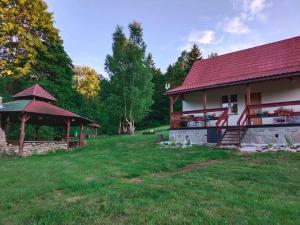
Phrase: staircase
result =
(233, 136)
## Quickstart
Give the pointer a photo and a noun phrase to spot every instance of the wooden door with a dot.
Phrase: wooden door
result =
(255, 100)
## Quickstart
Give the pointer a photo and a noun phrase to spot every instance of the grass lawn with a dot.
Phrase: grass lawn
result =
(130, 180)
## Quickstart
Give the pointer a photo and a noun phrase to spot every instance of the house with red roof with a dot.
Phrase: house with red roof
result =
(250, 96)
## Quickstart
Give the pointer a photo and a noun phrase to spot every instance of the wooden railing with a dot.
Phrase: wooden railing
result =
(246, 116)
(223, 119)
(181, 119)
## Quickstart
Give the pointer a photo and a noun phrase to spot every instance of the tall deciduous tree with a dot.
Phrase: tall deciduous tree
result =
(130, 76)
(25, 27)
(86, 81)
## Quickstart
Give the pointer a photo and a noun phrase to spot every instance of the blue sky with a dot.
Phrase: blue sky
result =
(221, 26)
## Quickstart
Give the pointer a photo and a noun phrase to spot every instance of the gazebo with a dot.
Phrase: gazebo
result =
(93, 127)
(36, 106)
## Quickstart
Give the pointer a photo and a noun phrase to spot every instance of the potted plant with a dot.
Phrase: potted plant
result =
(262, 114)
(283, 111)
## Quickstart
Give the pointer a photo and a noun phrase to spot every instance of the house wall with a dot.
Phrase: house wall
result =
(261, 136)
(197, 136)
(271, 91)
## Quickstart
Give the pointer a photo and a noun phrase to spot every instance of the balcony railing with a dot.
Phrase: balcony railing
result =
(216, 117)
(281, 114)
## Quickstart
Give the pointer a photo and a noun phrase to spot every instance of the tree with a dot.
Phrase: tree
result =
(213, 54)
(130, 78)
(192, 56)
(86, 81)
(25, 28)
(159, 111)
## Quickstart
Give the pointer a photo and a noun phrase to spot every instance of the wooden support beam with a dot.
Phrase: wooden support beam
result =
(68, 126)
(23, 119)
(171, 104)
(81, 136)
(248, 95)
(248, 102)
(204, 103)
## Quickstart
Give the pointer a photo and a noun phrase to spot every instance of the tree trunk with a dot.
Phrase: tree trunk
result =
(127, 127)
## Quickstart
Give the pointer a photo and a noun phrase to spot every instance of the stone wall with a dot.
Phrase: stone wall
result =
(272, 135)
(197, 136)
(36, 147)
(3, 144)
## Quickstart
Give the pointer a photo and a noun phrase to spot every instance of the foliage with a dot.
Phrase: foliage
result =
(213, 54)
(130, 95)
(25, 28)
(159, 111)
(192, 56)
(52, 68)
(86, 81)
(130, 180)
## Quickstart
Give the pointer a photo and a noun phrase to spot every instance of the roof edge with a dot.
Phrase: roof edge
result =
(274, 77)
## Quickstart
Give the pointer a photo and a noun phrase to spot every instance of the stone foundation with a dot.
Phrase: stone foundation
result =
(260, 136)
(36, 147)
(3, 144)
(197, 136)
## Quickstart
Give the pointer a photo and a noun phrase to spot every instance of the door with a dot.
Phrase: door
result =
(212, 135)
(255, 100)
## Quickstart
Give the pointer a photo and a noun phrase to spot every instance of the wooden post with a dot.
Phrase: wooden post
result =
(171, 110)
(204, 107)
(68, 125)
(248, 102)
(23, 119)
(81, 135)
(171, 104)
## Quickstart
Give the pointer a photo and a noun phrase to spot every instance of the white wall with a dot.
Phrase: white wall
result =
(271, 91)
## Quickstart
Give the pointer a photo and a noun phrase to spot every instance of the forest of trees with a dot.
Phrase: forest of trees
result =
(31, 51)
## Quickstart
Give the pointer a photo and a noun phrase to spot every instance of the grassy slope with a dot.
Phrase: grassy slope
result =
(91, 186)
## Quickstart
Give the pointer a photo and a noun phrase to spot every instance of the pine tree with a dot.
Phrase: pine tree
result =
(192, 56)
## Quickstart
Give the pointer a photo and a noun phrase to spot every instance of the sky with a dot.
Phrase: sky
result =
(170, 26)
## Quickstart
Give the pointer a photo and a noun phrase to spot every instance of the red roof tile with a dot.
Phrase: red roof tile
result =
(261, 62)
(45, 108)
(35, 91)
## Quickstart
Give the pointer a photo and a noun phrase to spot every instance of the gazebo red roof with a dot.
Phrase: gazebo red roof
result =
(41, 107)
(34, 101)
(35, 91)
(267, 61)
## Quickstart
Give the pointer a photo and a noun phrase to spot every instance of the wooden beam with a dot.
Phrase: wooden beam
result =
(171, 104)
(204, 107)
(248, 95)
(248, 102)
(81, 137)
(68, 126)
(23, 119)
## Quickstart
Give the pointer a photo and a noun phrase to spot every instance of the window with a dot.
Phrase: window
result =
(230, 102)
(225, 102)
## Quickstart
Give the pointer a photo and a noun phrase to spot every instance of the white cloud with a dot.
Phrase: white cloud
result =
(198, 37)
(236, 26)
(202, 37)
(254, 8)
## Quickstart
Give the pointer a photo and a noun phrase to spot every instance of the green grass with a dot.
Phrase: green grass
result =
(94, 185)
